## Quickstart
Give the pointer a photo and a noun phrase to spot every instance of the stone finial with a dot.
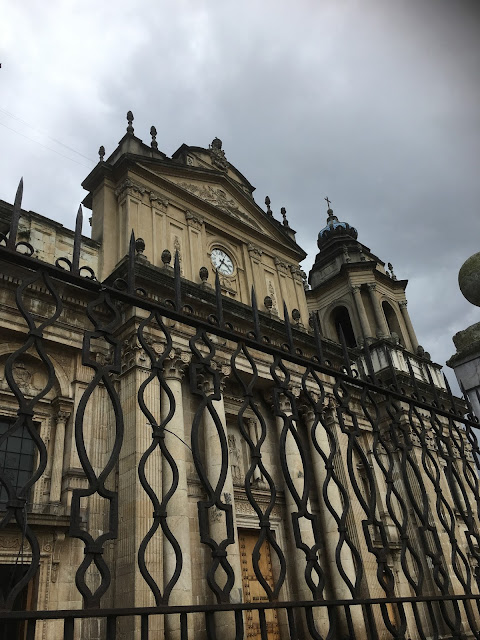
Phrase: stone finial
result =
(101, 153)
(267, 202)
(219, 159)
(390, 266)
(203, 273)
(153, 133)
(140, 245)
(283, 211)
(130, 120)
(166, 257)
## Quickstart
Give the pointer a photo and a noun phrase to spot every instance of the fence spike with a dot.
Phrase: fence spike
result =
(177, 283)
(346, 357)
(17, 207)
(218, 299)
(77, 240)
(467, 399)
(288, 327)
(256, 318)
(131, 264)
(449, 393)
(318, 339)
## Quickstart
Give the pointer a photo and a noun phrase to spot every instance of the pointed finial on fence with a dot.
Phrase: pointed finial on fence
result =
(283, 211)
(256, 318)
(17, 207)
(267, 202)
(218, 299)
(77, 240)
(101, 153)
(153, 133)
(130, 120)
(288, 327)
(176, 283)
(131, 264)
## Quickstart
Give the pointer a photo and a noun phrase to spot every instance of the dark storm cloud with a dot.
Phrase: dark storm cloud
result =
(375, 104)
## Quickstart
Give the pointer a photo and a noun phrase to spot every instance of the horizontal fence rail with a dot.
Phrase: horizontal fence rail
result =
(360, 487)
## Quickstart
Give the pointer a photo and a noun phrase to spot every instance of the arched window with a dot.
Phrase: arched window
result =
(392, 321)
(341, 318)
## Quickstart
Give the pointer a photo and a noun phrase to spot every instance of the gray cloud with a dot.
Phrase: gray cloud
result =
(374, 103)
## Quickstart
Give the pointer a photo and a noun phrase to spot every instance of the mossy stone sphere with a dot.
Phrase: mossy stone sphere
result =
(469, 279)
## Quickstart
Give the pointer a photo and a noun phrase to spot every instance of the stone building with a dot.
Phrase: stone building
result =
(150, 457)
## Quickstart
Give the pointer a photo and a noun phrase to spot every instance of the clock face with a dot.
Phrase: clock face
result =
(222, 262)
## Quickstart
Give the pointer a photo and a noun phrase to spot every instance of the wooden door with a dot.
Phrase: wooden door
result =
(252, 589)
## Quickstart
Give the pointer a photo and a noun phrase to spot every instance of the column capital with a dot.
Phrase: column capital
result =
(223, 370)
(372, 286)
(175, 364)
(281, 265)
(254, 251)
(403, 304)
(355, 289)
(63, 408)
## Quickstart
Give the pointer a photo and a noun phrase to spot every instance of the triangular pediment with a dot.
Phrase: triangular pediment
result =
(220, 197)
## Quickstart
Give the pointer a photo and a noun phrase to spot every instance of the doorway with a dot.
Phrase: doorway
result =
(252, 589)
(10, 574)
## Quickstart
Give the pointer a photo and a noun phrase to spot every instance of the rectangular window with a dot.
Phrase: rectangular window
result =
(17, 456)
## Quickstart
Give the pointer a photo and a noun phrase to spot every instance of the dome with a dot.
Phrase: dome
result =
(334, 228)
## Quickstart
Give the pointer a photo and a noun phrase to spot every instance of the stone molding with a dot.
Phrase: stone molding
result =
(194, 220)
(130, 187)
(254, 252)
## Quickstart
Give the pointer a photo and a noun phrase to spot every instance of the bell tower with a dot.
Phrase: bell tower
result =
(351, 289)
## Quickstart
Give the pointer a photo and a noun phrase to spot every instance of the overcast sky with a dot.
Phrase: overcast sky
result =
(373, 103)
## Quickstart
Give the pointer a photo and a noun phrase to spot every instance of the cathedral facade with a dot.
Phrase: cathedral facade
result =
(197, 442)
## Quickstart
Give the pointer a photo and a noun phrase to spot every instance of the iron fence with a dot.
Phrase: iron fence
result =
(376, 473)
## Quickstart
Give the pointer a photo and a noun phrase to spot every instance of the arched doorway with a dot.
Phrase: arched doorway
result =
(392, 321)
(341, 318)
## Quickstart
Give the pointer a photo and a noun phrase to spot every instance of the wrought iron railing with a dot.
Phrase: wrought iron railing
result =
(377, 481)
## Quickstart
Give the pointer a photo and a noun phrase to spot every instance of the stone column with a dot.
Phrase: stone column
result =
(213, 457)
(298, 560)
(336, 588)
(178, 506)
(357, 296)
(408, 323)
(63, 411)
(382, 327)
(258, 282)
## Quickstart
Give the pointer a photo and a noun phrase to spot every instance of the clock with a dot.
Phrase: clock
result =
(222, 262)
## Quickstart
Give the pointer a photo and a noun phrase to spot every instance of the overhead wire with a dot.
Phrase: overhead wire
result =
(43, 145)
